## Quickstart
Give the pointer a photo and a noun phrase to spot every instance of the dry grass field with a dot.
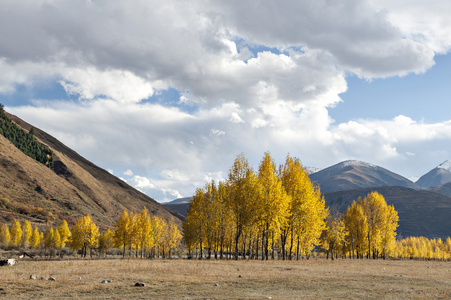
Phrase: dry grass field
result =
(193, 279)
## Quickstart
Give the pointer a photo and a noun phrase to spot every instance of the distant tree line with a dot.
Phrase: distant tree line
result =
(138, 235)
(24, 141)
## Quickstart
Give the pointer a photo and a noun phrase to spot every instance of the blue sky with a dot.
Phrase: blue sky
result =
(420, 96)
(166, 94)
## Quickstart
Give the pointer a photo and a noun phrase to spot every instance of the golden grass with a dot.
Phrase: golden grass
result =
(193, 279)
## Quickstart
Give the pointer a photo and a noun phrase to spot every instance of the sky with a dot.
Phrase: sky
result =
(166, 94)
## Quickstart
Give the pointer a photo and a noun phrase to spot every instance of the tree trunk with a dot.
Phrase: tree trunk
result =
(237, 241)
(297, 250)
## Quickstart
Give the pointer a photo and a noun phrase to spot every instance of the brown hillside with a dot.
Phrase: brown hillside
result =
(76, 187)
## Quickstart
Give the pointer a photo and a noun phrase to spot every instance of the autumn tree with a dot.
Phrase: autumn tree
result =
(196, 221)
(64, 232)
(26, 233)
(242, 182)
(16, 234)
(35, 239)
(357, 227)
(307, 209)
(122, 232)
(143, 230)
(272, 202)
(106, 241)
(170, 238)
(223, 218)
(334, 235)
(85, 234)
(52, 240)
(372, 226)
(156, 233)
(5, 236)
(388, 231)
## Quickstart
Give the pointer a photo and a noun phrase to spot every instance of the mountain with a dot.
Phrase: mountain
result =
(311, 170)
(421, 213)
(437, 176)
(73, 188)
(179, 205)
(179, 201)
(353, 174)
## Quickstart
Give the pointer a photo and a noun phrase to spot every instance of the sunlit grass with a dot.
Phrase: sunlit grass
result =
(193, 279)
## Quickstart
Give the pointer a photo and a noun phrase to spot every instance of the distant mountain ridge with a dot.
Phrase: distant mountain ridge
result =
(354, 174)
(437, 176)
(421, 212)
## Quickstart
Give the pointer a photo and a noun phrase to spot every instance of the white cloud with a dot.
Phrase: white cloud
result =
(216, 132)
(254, 78)
(128, 172)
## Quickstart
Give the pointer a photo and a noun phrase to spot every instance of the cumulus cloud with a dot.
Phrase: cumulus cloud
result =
(128, 172)
(250, 78)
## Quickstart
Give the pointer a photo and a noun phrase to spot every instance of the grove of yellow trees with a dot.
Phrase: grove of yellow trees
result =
(145, 236)
(277, 210)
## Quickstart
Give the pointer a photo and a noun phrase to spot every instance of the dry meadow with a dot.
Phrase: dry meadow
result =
(214, 279)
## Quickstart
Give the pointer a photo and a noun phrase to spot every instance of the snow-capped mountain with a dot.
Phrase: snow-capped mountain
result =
(312, 170)
(354, 174)
(437, 176)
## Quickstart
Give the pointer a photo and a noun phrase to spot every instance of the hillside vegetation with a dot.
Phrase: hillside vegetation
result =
(24, 141)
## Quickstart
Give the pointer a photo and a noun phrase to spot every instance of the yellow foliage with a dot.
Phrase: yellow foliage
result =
(16, 234)
(85, 234)
(5, 236)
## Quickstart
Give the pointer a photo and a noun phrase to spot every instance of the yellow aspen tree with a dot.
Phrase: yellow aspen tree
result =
(174, 237)
(42, 240)
(64, 232)
(388, 231)
(357, 227)
(164, 237)
(35, 239)
(106, 241)
(224, 218)
(210, 216)
(196, 220)
(242, 183)
(5, 236)
(156, 232)
(374, 207)
(57, 240)
(26, 233)
(272, 202)
(49, 238)
(85, 234)
(333, 236)
(448, 247)
(121, 234)
(144, 238)
(16, 234)
(307, 209)
(135, 232)
(189, 236)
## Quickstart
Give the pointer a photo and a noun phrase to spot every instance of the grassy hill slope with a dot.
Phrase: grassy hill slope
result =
(75, 187)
